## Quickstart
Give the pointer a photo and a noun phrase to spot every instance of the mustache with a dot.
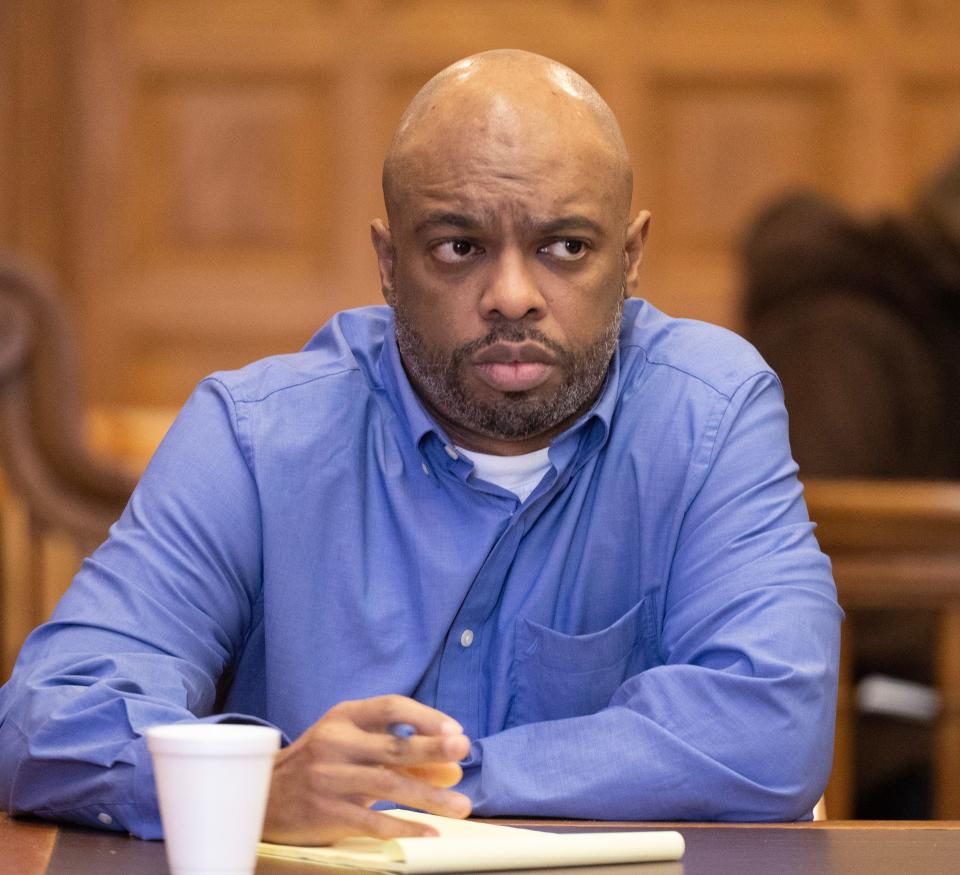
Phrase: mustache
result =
(511, 333)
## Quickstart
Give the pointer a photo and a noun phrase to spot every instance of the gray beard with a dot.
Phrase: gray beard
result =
(519, 415)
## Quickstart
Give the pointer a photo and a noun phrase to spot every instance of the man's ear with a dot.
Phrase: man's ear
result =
(383, 246)
(636, 238)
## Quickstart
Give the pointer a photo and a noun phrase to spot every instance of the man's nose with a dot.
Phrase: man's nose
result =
(512, 291)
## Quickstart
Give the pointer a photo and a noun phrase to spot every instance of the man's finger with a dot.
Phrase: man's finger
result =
(380, 712)
(371, 782)
(383, 826)
(436, 774)
(332, 819)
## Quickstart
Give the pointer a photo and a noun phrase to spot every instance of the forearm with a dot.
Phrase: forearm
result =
(628, 762)
(735, 724)
(72, 745)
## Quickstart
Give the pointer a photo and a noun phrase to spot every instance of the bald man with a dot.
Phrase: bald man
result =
(555, 530)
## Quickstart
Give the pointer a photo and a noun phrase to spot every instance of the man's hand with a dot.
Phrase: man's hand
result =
(324, 783)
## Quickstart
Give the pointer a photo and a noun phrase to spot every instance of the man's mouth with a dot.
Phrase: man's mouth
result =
(514, 367)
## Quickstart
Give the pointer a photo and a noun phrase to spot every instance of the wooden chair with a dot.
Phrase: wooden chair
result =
(56, 499)
(896, 545)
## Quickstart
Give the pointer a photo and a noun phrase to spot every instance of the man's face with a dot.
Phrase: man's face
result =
(507, 264)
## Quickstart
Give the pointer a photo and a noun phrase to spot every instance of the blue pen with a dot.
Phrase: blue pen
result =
(402, 730)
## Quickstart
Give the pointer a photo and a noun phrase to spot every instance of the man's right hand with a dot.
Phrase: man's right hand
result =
(324, 783)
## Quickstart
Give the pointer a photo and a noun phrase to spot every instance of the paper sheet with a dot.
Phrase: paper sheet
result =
(467, 846)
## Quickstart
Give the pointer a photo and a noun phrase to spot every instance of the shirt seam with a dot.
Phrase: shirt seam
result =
(754, 377)
(246, 450)
(305, 382)
(706, 451)
(700, 379)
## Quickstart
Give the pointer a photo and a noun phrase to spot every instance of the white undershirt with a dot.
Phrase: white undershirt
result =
(517, 474)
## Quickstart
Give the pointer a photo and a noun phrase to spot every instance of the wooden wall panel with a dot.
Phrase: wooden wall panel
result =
(930, 16)
(233, 166)
(721, 150)
(223, 161)
(222, 200)
(726, 148)
(7, 125)
(36, 131)
(229, 192)
(755, 15)
(931, 127)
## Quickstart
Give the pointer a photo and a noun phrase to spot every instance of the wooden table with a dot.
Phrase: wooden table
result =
(843, 847)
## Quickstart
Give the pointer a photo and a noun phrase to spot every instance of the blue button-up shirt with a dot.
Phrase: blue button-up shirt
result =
(651, 634)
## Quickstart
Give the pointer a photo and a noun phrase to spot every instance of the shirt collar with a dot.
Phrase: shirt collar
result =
(590, 430)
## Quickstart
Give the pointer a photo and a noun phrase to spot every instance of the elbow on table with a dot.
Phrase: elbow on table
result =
(784, 805)
(786, 762)
(785, 790)
(774, 776)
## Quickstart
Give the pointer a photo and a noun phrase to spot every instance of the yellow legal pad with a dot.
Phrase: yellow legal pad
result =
(466, 846)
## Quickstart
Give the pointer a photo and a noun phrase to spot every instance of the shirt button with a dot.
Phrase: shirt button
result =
(451, 452)
(104, 818)
(466, 638)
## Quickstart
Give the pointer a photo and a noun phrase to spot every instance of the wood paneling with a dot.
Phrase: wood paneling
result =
(36, 131)
(201, 174)
(931, 16)
(755, 15)
(723, 147)
(7, 126)
(931, 126)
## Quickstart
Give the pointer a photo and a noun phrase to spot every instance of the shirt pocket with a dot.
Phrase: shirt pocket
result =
(555, 675)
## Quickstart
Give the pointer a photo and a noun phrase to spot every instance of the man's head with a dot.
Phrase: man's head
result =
(509, 249)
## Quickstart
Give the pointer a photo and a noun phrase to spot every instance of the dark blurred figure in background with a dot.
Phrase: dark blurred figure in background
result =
(861, 320)
(862, 323)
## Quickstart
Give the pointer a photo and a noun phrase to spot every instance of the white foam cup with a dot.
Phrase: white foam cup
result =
(212, 784)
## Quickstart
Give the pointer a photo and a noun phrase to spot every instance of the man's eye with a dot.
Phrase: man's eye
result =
(452, 251)
(567, 249)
